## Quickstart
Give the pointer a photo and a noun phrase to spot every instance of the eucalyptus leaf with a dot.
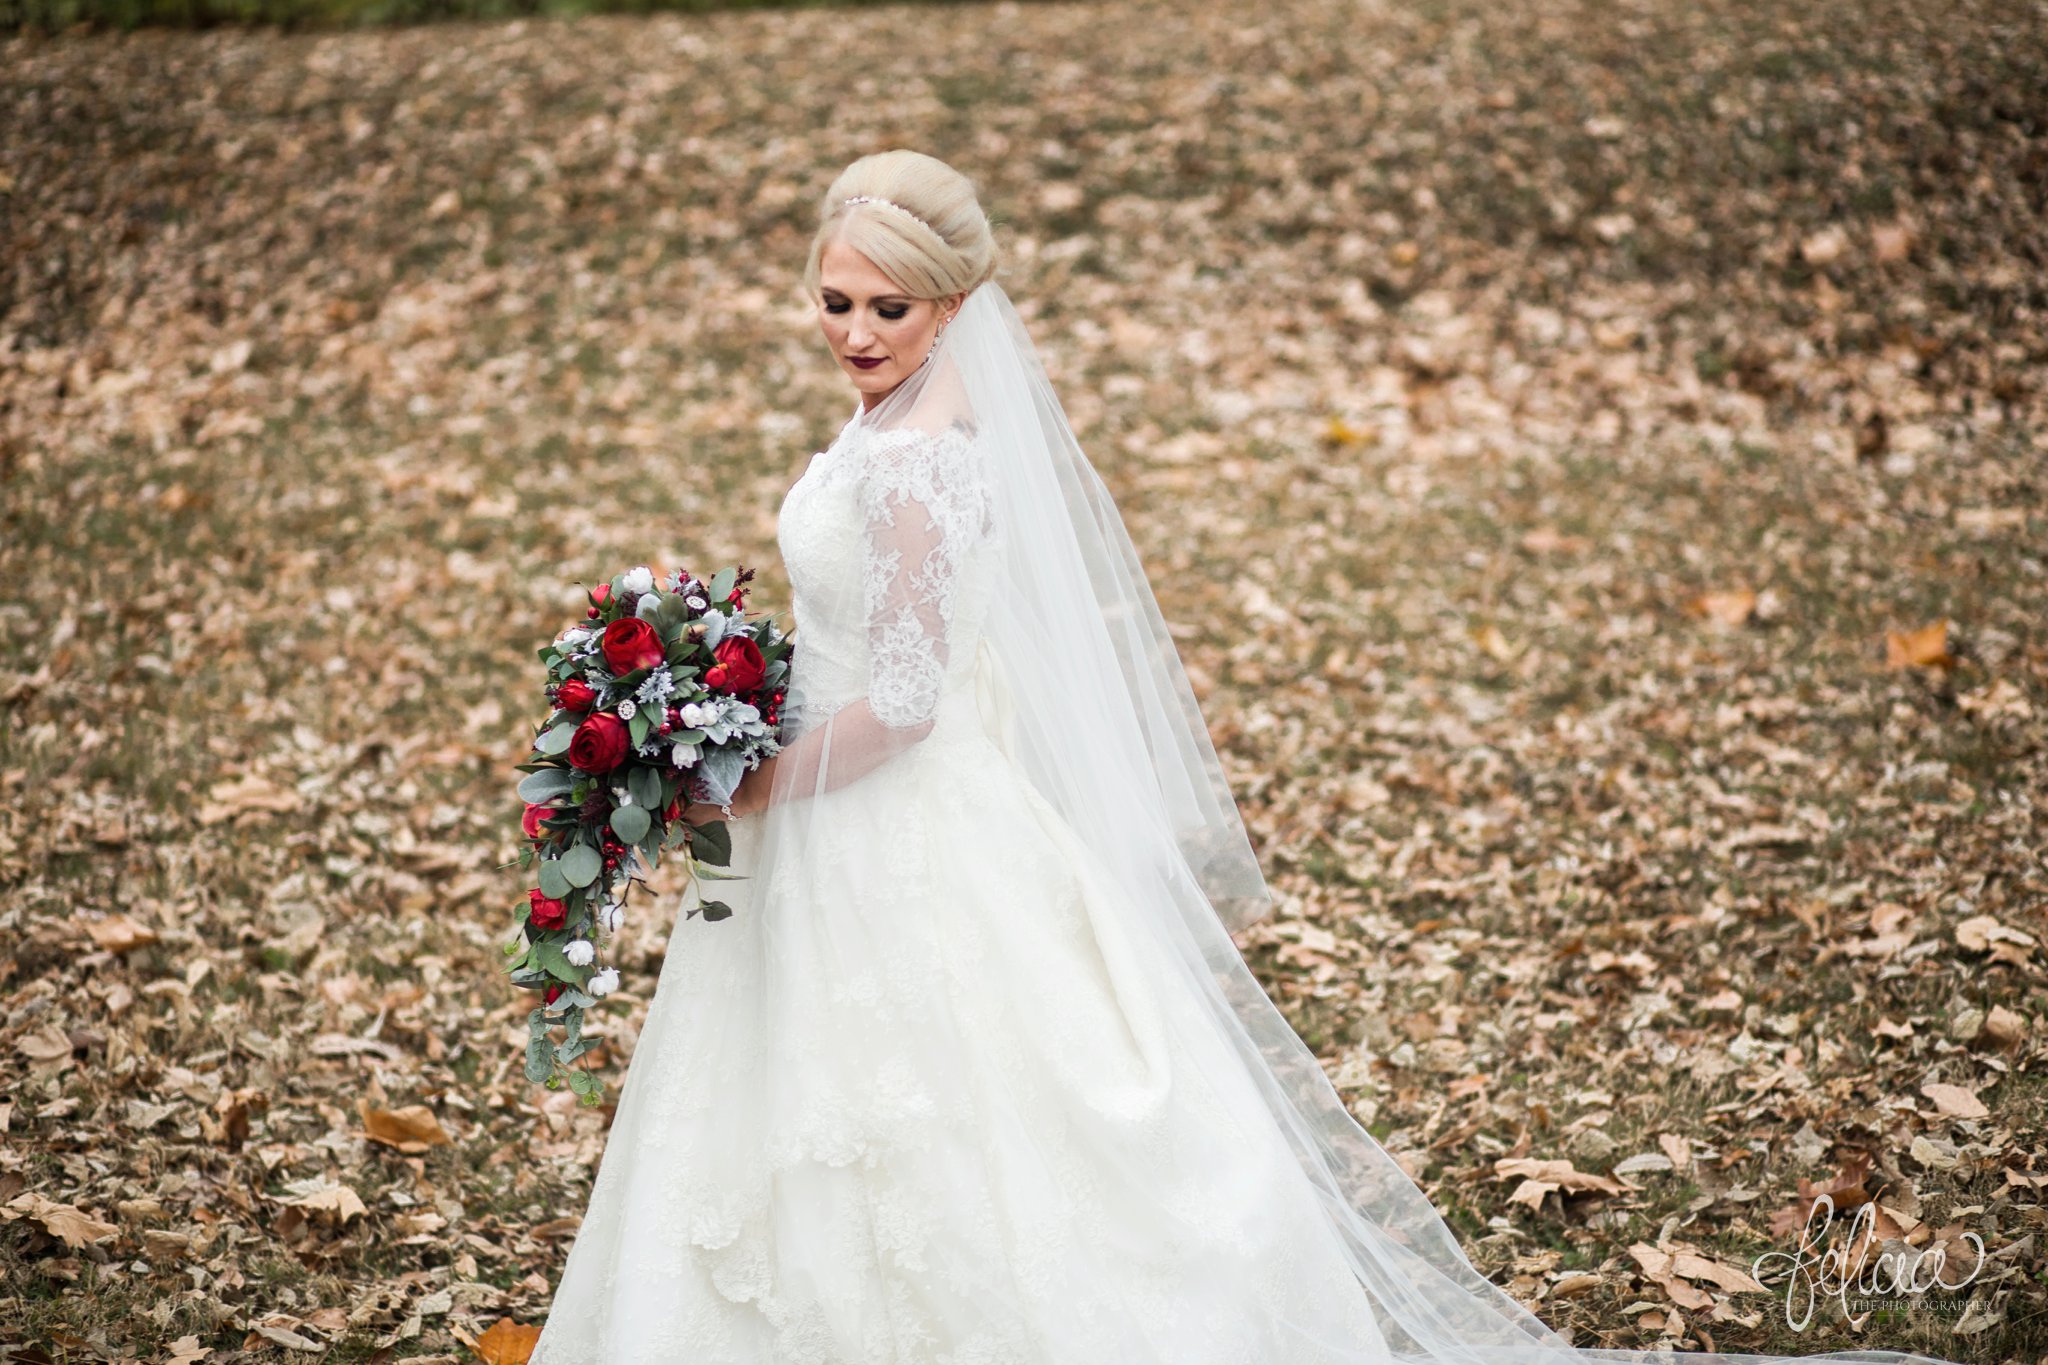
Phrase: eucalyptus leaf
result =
(631, 823)
(541, 787)
(548, 955)
(645, 784)
(556, 740)
(581, 865)
(721, 586)
(554, 878)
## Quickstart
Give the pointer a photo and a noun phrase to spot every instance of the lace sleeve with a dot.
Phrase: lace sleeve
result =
(923, 502)
(920, 510)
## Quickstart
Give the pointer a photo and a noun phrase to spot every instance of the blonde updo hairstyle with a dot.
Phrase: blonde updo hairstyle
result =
(954, 255)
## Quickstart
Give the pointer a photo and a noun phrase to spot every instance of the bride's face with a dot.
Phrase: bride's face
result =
(865, 316)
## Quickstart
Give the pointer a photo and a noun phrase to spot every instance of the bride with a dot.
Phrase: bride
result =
(974, 1074)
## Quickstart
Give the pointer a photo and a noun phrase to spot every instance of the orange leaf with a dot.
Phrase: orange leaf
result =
(1926, 647)
(1489, 638)
(1729, 608)
(507, 1343)
(1547, 538)
(411, 1129)
(1342, 433)
(1845, 1192)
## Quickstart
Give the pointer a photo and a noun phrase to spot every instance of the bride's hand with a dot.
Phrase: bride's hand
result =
(702, 813)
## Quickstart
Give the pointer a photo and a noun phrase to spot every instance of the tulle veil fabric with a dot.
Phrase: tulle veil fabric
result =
(1077, 676)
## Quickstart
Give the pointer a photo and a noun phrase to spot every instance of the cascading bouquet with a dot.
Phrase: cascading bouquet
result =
(667, 695)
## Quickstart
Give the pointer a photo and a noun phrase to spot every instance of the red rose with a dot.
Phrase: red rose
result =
(530, 820)
(600, 743)
(601, 593)
(554, 992)
(575, 695)
(544, 912)
(631, 643)
(739, 667)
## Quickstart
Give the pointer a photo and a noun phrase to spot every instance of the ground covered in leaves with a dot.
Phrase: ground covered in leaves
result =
(1592, 454)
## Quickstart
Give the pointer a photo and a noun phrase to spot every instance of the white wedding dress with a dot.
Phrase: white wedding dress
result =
(920, 1099)
(929, 1096)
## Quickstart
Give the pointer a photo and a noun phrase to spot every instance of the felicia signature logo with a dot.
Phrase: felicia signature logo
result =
(1815, 1271)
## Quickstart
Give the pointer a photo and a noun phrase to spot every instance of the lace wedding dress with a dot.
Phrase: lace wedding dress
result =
(919, 1098)
(938, 1092)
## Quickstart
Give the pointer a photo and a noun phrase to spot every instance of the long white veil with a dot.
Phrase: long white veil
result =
(1096, 708)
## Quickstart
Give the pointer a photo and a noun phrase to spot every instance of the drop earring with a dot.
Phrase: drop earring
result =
(935, 338)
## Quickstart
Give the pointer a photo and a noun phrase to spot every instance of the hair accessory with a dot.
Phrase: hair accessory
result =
(876, 199)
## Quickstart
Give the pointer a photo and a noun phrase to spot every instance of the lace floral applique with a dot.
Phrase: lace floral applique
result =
(924, 501)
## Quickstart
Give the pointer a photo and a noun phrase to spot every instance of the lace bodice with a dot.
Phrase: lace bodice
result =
(889, 545)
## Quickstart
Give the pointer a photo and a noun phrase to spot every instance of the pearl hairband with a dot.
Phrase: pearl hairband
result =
(876, 199)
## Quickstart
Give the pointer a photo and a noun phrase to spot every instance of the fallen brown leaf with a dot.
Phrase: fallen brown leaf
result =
(119, 934)
(506, 1342)
(1926, 647)
(67, 1224)
(1732, 608)
(412, 1129)
(1955, 1101)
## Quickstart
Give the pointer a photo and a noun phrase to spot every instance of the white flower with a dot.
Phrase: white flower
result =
(611, 917)
(683, 755)
(637, 580)
(579, 952)
(693, 715)
(605, 982)
(627, 708)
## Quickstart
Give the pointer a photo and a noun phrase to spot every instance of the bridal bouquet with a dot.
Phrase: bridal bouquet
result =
(667, 694)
